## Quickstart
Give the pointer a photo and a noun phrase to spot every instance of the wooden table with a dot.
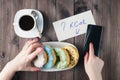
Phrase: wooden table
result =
(106, 14)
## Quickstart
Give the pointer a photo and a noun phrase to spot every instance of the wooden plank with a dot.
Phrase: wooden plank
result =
(8, 48)
(105, 16)
(80, 74)
(26, 4)
(64, 9)
(5, 33)
(47, 7)
(1, 36)
(114, 39)
(101, 12)
(48, 10)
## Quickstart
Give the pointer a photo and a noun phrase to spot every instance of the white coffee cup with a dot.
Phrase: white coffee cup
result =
(26, 22)
(26, 31)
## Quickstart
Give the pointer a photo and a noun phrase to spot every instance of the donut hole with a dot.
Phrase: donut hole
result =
(35, 58)
(57, 60)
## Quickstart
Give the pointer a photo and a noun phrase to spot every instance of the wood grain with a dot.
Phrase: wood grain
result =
(80, 6)
(64, 9)
(17, 41)
(102, 17)
(106, 13)
(47, 7)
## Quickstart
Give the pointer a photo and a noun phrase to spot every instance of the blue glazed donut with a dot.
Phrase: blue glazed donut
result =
(51, 57)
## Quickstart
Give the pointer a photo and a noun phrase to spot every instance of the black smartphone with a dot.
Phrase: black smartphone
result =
(93, 35)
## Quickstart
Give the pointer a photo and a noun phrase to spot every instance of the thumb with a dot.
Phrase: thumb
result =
(86, 58)
(34, 69)
(91, 50)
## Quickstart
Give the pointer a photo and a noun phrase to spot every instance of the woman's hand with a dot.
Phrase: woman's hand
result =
(93, 64)
(22, 62)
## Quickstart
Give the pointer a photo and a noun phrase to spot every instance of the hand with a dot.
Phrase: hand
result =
(93, 64)
(22, 62)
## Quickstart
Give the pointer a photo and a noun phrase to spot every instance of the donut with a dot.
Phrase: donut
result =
(62, 58)
(74, 55)
(40, 60)
(51, 57)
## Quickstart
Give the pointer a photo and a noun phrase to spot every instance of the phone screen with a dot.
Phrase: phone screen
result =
(93, 35)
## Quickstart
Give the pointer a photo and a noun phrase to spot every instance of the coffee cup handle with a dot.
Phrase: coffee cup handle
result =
(14, 23)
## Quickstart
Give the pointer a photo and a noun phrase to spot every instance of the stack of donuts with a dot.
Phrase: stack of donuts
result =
(57, 57)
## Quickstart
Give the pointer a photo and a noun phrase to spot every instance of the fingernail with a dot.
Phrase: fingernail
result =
(38, 70)
(36, 39)
(90, 42)
(40, 49)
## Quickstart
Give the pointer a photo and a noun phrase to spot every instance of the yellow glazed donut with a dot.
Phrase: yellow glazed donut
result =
(74, 55)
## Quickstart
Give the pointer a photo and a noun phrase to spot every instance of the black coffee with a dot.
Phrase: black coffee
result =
(26, 22)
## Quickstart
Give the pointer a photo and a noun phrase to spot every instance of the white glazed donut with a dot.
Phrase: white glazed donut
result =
(40, 60)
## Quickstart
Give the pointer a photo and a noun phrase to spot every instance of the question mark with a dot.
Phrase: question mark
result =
(63, 25)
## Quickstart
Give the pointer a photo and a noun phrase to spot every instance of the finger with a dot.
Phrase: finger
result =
(34, 69)
(91, 50)
(86, 58)
(25, 46)
(28, 41)
(33, 47)
(35, 53)
(31, 42)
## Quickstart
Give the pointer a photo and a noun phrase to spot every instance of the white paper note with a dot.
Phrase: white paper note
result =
(73, 26)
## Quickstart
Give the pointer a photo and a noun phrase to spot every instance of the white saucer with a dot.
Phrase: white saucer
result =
(32, 33)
